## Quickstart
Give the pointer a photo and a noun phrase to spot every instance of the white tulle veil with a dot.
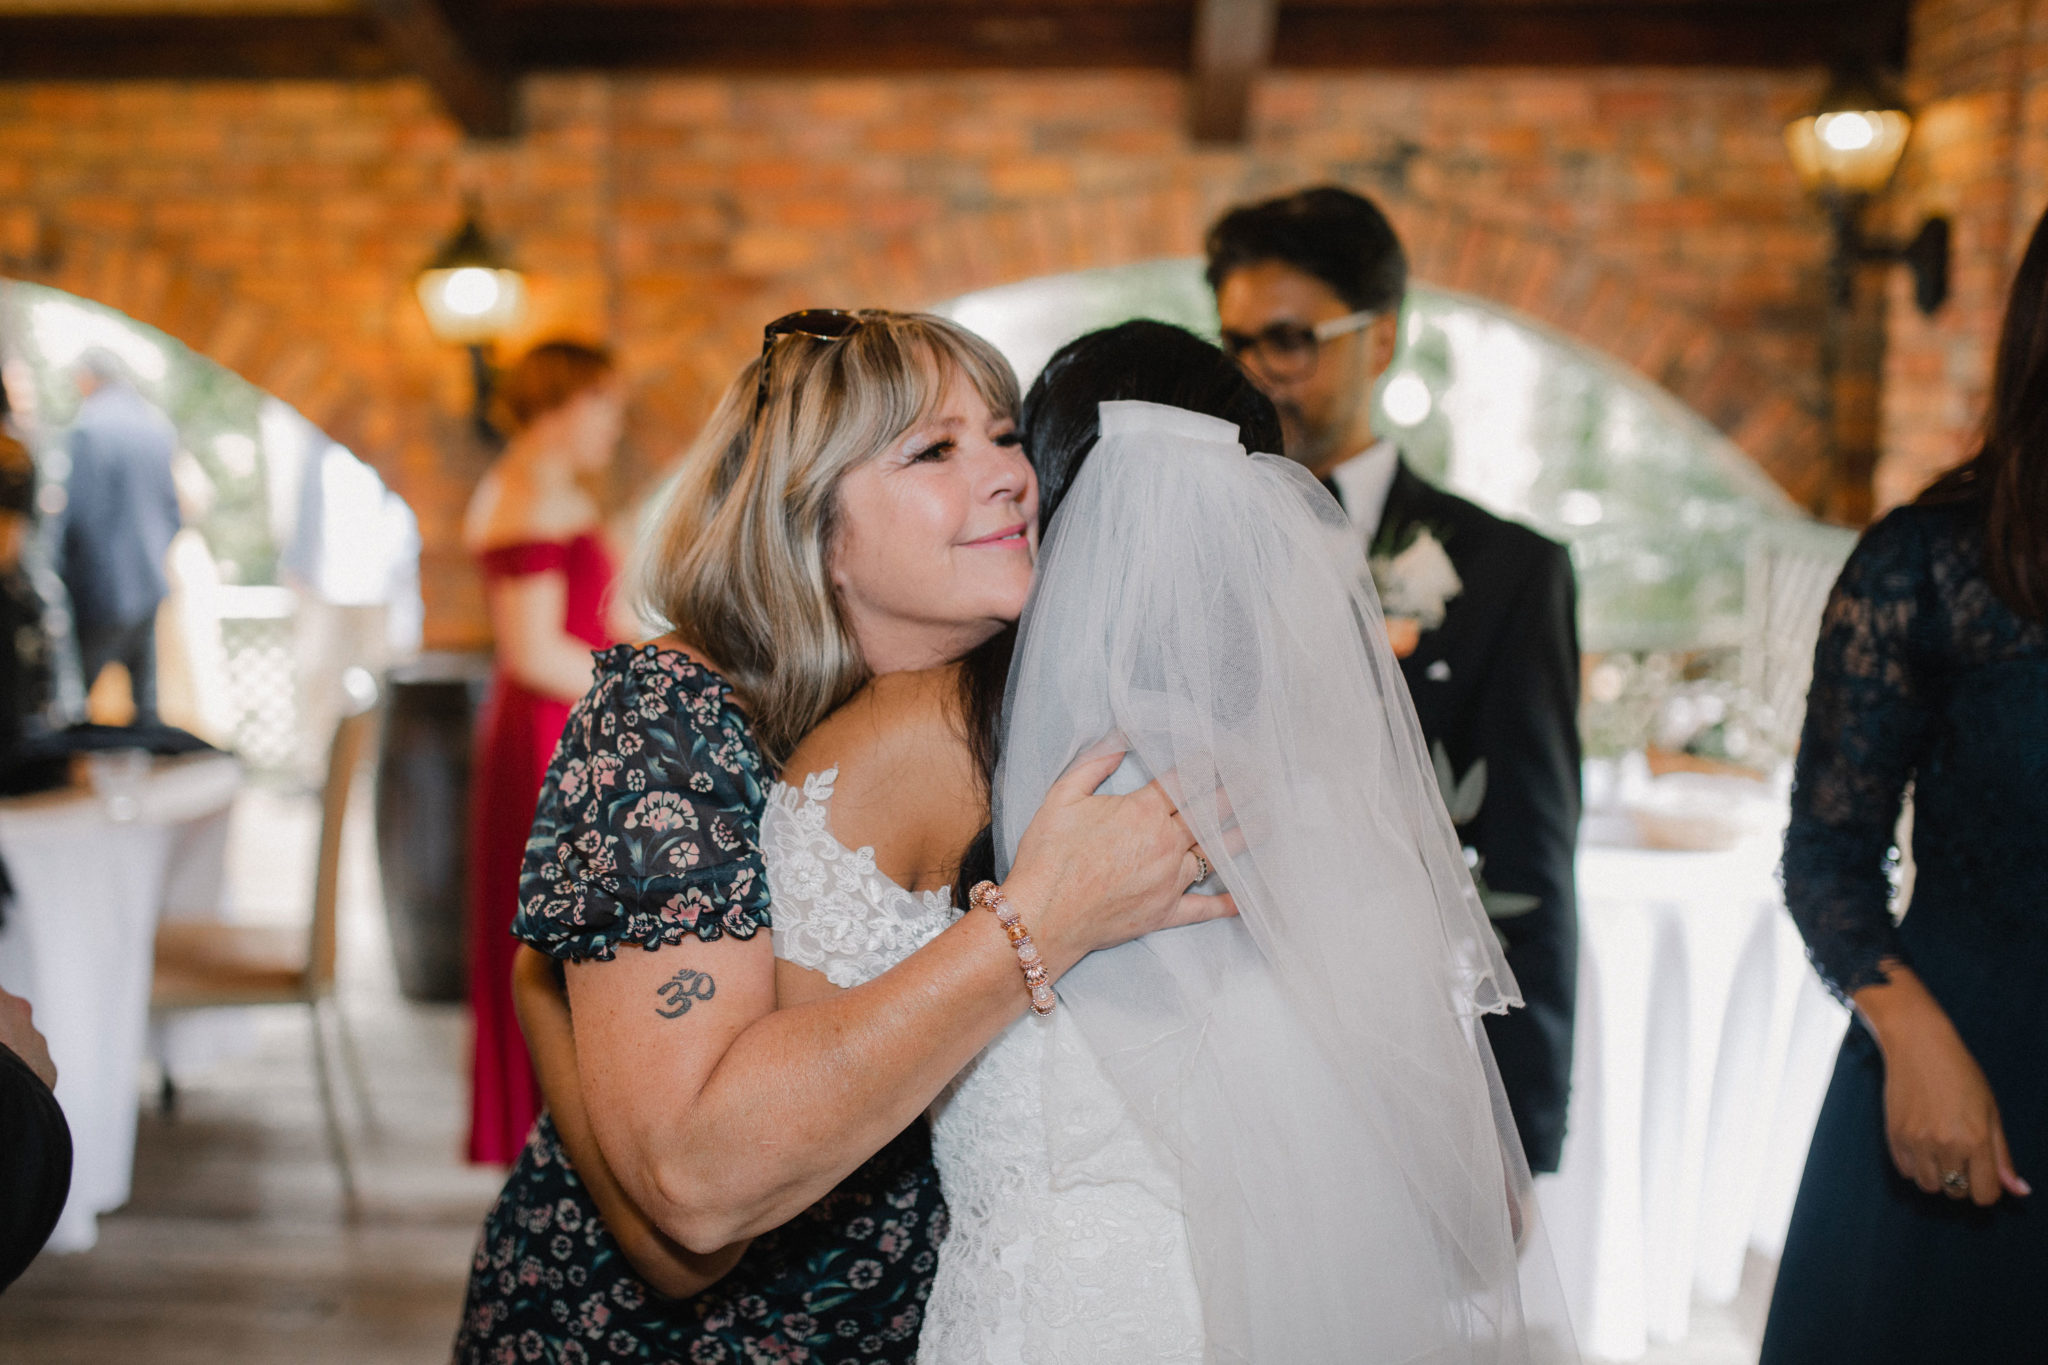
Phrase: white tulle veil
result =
(1313, 1072)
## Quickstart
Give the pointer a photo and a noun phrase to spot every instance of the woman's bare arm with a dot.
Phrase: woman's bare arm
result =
(731, 1118)
(526, 617)
(723, 1117)
(908, 790)
(542, 1002)
(543, 1007)
(511, 507)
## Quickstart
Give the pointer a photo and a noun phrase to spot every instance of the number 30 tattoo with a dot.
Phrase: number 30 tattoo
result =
(683, 990)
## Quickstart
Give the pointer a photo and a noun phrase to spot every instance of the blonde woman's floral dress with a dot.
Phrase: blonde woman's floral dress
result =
(647, 833)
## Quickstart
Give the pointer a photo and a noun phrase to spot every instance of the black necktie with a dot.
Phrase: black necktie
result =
(1335, 491)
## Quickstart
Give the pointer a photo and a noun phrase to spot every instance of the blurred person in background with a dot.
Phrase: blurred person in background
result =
(40, 546)
(120, 513)
(1914, 1239)
(534, 529)
(25, 673)
(1481, 611)
(25, 664)
(35, 1142)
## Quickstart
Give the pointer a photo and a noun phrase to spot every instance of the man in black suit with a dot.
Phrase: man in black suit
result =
(1309, 289)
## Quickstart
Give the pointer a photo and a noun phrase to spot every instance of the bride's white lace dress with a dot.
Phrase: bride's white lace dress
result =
(1093, 1272)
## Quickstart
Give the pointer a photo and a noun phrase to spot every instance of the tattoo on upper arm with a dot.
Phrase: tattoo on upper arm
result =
(686, 988)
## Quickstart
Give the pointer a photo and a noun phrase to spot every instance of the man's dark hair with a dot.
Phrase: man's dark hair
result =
(1325, 231)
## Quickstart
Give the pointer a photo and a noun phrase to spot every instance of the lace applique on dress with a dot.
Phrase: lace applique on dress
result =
(834, 911)
(1091, 1268)
(1097, 1270)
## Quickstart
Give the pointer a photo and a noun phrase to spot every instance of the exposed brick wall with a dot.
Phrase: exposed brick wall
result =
(1979, 77)
(276, 227)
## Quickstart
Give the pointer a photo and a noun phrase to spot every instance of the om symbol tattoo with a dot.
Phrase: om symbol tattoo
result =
(683, 990)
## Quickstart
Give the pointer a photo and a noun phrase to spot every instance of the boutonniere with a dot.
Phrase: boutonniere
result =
(1463, 798)
(1416, 583)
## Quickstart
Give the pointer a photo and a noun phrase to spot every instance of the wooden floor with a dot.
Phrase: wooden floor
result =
(235, 1248)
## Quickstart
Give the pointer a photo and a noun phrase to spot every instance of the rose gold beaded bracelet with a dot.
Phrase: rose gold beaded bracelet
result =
(990, 897)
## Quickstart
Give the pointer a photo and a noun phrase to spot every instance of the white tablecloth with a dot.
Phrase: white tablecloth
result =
(1704, 1047)
(79, 944)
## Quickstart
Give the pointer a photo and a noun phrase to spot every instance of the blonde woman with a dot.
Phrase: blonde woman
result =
(858, 506)
(1116, 1169)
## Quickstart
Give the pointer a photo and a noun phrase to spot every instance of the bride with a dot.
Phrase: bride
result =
(1273, 1138)
(1276, 1138)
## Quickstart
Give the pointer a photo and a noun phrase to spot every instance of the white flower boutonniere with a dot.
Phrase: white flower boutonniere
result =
(1418, 582)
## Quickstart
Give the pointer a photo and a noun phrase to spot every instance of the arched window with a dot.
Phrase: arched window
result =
(295, 560)
(1691, 562)
(1658, 507)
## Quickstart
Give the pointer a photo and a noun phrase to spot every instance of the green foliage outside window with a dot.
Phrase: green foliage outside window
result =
(1659, 509)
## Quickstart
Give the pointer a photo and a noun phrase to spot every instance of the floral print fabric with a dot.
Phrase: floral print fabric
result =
(844, 1282)
(647, 823)
(647, 834)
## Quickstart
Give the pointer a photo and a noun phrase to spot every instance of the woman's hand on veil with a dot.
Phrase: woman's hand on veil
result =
(1095, 871)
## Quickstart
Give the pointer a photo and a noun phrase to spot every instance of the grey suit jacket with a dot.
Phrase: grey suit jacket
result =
(121, 508)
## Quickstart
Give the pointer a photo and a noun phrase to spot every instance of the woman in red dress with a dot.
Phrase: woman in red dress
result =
(534, 530)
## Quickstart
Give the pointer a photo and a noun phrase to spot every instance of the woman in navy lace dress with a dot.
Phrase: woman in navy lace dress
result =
(1915, 1239)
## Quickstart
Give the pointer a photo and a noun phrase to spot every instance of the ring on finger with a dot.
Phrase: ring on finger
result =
(1202, 868)
(1956, 1183)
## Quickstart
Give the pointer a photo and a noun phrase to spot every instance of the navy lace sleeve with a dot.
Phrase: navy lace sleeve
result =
(647, 830)
(1868, 718)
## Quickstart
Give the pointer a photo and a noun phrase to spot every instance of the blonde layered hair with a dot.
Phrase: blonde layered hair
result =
(739, 561)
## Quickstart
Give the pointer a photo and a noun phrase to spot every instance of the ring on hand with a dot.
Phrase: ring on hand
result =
(1202, 868)
(1955, 1182)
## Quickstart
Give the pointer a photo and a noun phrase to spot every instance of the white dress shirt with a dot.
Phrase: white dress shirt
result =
(1363, 482)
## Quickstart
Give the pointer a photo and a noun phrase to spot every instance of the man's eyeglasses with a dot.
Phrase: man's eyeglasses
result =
(819, 324)
(1289, 350)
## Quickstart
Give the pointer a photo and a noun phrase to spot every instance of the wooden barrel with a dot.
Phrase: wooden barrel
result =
(423, 817)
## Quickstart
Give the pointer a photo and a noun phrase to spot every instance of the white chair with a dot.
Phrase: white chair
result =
(205, 965)
(1792, 568)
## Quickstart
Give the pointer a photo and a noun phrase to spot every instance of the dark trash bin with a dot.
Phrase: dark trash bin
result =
(423, 817)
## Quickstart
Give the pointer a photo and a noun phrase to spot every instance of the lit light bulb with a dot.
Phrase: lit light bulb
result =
(1848, 150)
(1848, 132)
(471, 291)
(1406, 400)
(1580, 508)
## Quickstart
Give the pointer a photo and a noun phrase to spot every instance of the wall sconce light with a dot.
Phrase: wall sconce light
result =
(1846, 151)
(472, 297)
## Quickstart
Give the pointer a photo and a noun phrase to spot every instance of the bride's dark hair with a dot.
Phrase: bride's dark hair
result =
(1145, 361)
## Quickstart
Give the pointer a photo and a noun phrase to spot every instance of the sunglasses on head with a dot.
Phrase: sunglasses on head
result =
(819, 324)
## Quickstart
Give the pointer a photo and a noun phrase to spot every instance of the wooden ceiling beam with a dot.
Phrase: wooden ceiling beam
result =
(476, 94)
(211, 47)
(1388, 35)
(814, 38)
(546, 35)
(1675, 33)
(1233, 44)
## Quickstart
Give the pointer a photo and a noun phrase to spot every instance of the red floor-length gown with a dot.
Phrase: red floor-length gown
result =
(516, 736)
